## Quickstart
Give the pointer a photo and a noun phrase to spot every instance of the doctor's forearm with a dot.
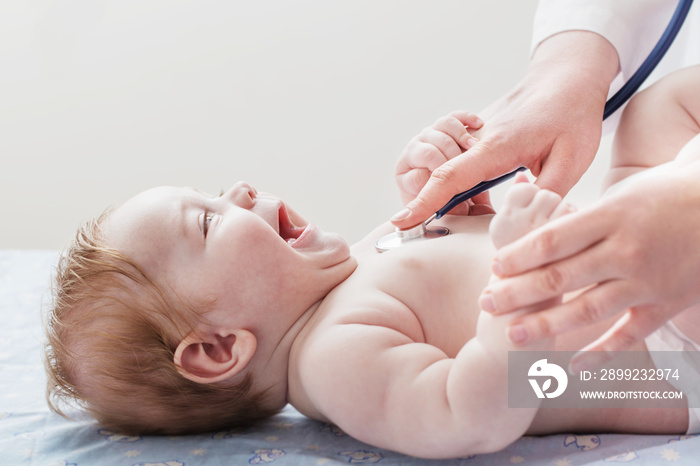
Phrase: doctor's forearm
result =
(581, 62)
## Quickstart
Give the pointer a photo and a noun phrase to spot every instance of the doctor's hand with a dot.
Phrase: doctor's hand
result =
(446, 139)
(635, 250)
(550, 123)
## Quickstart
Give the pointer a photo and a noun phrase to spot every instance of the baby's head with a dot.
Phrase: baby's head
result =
(176, 311)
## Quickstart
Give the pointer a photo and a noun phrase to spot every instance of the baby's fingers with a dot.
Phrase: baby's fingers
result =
(455, 130)
(468, 119)
(411, 182)
(443, 142)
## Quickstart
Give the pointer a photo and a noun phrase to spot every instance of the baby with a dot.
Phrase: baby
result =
(183, 312)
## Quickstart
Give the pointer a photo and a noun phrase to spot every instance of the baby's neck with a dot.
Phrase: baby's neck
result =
(274, 375)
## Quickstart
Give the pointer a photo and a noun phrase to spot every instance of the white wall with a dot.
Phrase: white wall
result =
(312, 100)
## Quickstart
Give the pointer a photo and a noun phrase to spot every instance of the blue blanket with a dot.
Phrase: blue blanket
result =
(31, 435)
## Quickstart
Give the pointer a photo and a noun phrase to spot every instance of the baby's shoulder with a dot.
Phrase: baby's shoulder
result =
(361, 311)
(363, 301)
(350, 329)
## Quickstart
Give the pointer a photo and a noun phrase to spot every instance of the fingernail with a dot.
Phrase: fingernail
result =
(479, 121)
(518, 334)
(471, 142)
(486, 301)
(401, 215)
(496, 268)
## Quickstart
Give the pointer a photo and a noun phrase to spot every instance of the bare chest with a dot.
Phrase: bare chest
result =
(427, 290)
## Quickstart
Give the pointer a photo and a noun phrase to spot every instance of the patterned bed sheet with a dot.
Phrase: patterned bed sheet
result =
(31, 435)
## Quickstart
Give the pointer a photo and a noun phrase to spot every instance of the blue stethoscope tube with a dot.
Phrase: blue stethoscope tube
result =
(614, 103)
(655, 56)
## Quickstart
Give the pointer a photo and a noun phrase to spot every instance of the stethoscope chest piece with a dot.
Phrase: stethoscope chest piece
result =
(401, 237)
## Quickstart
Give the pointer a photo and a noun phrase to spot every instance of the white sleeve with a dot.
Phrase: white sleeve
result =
(632, 26)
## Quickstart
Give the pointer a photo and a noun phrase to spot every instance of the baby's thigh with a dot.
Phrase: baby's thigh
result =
(659, 121)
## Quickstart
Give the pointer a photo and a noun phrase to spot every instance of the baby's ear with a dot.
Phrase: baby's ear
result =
(212, 357)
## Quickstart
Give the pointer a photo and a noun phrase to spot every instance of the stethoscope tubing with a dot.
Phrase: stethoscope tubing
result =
(655, 56)
(478, 189)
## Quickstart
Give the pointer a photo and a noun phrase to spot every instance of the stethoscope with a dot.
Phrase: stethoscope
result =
(421, 232)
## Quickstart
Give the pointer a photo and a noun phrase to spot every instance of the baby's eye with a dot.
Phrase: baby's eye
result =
(205, 223)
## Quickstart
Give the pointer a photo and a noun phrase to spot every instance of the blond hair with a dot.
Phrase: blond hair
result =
(111, 335)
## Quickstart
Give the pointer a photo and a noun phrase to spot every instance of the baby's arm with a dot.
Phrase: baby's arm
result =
(384, 388)
(656, 124)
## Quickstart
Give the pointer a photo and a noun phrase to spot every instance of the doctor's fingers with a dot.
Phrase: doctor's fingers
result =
(592, 266)
(594, 306)
(561, 238)
(564, 166)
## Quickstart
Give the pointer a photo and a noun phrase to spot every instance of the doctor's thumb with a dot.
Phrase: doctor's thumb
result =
(559, 177)
(443, 184)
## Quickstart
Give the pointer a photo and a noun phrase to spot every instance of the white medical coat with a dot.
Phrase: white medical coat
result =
(633, 27)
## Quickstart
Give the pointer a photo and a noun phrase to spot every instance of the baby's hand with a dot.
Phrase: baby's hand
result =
(447, 138)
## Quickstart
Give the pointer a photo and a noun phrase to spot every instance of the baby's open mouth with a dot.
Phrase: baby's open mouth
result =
(287, 230)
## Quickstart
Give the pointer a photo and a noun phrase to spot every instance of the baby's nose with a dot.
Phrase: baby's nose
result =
(242, 194)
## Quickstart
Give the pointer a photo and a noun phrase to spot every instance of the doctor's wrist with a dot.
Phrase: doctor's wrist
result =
(580, 59)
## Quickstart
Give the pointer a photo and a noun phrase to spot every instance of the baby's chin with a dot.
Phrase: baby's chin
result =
(339, 242)
(333, 247)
